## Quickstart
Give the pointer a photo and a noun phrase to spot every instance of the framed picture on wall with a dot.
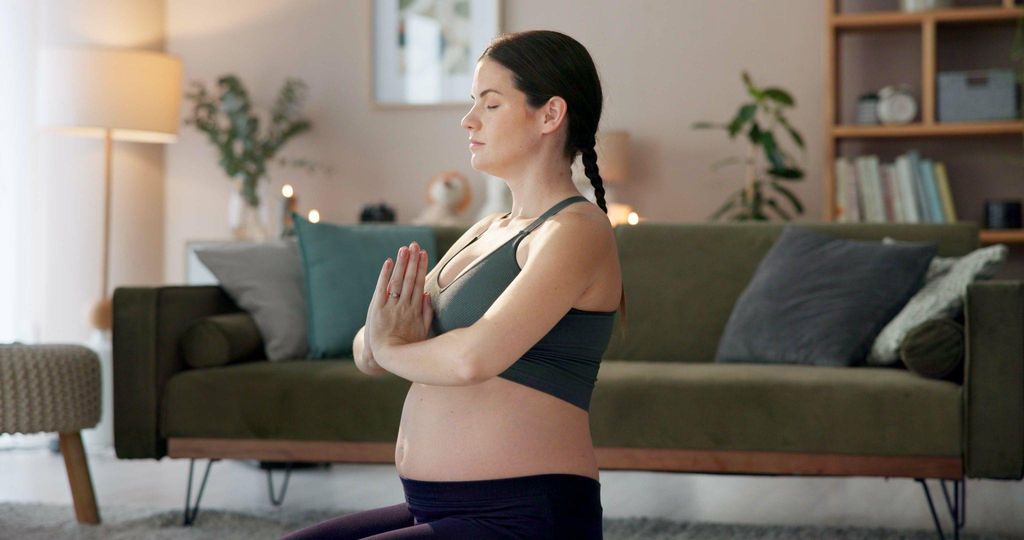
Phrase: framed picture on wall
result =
(424, 51)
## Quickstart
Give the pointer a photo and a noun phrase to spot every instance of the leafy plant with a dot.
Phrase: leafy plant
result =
(232, 126)
(757, 120)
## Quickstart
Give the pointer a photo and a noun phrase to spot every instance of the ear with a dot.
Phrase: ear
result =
(552, 114)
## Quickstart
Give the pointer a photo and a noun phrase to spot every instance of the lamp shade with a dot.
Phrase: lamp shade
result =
(613, 156)
(85, 91)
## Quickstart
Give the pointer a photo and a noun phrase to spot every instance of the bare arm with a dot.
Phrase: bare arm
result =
(364, 357)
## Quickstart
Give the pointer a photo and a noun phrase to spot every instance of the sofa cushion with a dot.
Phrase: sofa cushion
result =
(820, 300)
(341, 265)
(774, 408)
(935, 349)
(219, 340)
(879, 411)
(325, 399)
(941, 296)
(683, 279)
(265, 279)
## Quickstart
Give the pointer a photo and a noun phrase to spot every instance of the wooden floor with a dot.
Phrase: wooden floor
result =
(31, 472)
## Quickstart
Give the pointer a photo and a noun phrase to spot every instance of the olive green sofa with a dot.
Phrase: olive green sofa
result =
(660, 403)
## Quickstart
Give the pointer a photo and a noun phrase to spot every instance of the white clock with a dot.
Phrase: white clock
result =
(896, 105)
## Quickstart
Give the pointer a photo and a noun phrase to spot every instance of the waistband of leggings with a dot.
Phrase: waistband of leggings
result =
(498, 487)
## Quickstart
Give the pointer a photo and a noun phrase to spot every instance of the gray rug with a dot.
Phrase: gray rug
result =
(31, 521)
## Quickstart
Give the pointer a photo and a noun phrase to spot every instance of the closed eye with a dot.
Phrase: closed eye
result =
(493, 107)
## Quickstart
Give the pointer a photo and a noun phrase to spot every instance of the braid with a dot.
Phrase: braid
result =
(590, 167)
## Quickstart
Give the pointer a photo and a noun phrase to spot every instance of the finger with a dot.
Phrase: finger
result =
(380, 293)
(428, 312)
(409, 291)
(398, 274)
(421, 277)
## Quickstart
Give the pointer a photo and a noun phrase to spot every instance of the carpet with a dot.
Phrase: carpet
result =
(33, 521)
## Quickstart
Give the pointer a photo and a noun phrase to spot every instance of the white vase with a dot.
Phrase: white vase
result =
(247, 222)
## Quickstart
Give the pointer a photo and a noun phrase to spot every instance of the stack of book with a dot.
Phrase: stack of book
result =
(911, 189)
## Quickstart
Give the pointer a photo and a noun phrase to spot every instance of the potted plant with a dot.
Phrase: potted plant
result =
(758, 120)
(245, 149)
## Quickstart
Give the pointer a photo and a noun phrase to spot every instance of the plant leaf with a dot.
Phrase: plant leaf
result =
(789, 195)
(786, 172)
(779, 95)
(775, 206)
(792, 132)
(743, 115)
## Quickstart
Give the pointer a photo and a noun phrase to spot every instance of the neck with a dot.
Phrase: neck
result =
(537, 190)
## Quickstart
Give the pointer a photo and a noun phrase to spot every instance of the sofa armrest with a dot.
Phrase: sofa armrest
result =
(993, 390)
(147, 326)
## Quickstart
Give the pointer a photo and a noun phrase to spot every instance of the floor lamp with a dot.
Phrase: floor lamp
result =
(114, 94)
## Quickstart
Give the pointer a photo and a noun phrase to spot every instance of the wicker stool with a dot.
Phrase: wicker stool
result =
(47, 388)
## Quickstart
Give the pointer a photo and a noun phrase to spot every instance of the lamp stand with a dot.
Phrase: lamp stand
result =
(102, 314)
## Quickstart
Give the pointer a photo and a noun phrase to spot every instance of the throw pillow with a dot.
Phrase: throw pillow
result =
(265, 279)
(941, 296)
(819, 300)
(341, 264)
(935, 349)
(219, 340)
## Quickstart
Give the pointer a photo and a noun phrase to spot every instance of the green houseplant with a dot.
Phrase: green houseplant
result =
(758, 120)
(233, 126)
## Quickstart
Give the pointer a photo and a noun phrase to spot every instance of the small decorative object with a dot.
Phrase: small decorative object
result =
(1003, 214)
(757, 120)
(377, 213)
(245, 148)
(289, 204)
(867, 109)
(922, 5)
(448, 195)
(314, 216)
(977, 95)
(896, 105)
(424, 52)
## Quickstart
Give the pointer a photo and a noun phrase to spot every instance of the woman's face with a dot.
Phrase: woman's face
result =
(508, 129)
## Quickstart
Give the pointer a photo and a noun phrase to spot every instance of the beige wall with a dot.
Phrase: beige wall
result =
(664, 64)
(71, 172)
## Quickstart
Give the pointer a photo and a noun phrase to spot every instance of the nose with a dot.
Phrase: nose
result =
(470, 122)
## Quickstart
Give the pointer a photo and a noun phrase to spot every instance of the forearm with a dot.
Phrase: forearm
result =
(364, 357)
(437, 361)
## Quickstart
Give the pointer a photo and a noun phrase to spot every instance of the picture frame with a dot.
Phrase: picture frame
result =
(424, 52)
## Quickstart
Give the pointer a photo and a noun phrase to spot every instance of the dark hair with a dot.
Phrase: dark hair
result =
(544, 64)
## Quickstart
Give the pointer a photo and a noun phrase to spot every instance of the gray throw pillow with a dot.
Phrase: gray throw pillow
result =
(819, 300)
(265, 279)
(940, 297)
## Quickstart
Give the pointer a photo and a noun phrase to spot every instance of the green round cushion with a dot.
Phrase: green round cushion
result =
(219, 340)
(935, 349)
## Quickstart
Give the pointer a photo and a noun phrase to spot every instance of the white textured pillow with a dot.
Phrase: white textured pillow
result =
(941, 296)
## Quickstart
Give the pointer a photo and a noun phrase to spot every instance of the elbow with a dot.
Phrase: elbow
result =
(470, 367)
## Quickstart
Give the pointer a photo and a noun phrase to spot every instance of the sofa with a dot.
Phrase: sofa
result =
(660, 403)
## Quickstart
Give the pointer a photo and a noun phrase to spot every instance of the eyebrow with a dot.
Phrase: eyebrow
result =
(482, 94)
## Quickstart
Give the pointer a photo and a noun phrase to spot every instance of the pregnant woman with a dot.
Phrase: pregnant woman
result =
(503, 339)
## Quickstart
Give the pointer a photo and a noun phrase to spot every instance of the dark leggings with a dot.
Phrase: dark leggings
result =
(534, 507)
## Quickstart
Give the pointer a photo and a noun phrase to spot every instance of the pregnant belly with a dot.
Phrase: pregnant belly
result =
(495, 429)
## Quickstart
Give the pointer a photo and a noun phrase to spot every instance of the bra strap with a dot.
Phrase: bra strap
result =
(551, 211)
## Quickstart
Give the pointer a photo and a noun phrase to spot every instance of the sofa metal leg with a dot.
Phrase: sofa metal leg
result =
(277, 500)
(190, 510)
(957, 508)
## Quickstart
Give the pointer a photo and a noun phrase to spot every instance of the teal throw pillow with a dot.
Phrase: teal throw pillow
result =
(341, 264)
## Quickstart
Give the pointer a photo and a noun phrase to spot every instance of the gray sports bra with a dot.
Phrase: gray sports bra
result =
(565, 362)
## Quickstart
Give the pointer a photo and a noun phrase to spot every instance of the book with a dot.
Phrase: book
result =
(945, 191)
(920, 192)
(905, 178)
(934, 199)
(894, 213)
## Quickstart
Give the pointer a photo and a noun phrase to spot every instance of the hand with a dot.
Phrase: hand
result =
(406, 318)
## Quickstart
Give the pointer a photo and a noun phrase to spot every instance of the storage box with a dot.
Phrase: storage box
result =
(988, 94)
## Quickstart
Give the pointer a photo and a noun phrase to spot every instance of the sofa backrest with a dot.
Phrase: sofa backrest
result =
(682, 279)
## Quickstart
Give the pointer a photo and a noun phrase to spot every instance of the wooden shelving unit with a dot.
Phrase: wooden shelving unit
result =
(926, 22)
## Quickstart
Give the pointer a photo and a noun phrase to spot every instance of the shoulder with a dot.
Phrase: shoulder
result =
(579, 236)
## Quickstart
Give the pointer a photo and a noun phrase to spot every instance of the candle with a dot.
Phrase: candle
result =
(314, 216)
(288, 205)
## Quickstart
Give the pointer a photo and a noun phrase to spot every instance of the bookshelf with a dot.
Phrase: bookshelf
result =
(927, 127)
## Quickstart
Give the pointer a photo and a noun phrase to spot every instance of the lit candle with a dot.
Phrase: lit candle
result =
(633, 218)
(314, 216)
(288, 205)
